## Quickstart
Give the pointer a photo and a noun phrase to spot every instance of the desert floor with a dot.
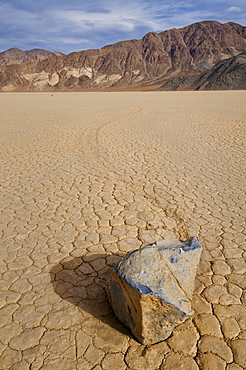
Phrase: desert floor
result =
(87, 177)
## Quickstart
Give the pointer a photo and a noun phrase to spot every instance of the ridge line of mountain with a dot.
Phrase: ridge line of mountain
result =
(147, 62)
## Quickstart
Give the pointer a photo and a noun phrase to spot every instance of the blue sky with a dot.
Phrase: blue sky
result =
(66, 26)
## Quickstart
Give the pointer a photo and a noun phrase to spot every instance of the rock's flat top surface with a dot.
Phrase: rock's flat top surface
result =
(86, 178)
(166, 269)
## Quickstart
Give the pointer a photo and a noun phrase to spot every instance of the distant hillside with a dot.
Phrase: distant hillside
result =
(229, 74)
(14, 55)
(151, 61)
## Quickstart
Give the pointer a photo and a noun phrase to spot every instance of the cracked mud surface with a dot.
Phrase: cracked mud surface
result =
(87, 177)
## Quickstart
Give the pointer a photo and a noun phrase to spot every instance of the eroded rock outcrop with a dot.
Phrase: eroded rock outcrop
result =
(151, 288)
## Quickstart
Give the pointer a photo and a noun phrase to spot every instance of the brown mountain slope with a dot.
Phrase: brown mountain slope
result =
(15, 55)
(150, 61)
(229, 74)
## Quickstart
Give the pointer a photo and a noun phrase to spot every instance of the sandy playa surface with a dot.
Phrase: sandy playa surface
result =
(87, 177)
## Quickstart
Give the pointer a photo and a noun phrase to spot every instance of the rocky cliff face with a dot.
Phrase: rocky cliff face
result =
(229, 74)
(150, 61)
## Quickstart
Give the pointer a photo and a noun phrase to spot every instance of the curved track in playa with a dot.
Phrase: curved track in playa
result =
(87, 177)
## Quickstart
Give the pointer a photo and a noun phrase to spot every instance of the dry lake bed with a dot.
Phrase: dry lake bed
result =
(87, 177)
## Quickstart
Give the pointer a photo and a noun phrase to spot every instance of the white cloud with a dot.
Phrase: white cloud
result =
(234, 9)
(120, 17)
(133, 16)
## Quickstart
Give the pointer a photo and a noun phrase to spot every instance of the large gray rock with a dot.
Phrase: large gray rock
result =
(151, 288)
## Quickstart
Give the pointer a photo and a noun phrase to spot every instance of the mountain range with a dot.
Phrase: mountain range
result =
(185, 58)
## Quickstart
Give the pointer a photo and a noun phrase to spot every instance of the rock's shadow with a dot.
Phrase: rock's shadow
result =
(82, 282)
